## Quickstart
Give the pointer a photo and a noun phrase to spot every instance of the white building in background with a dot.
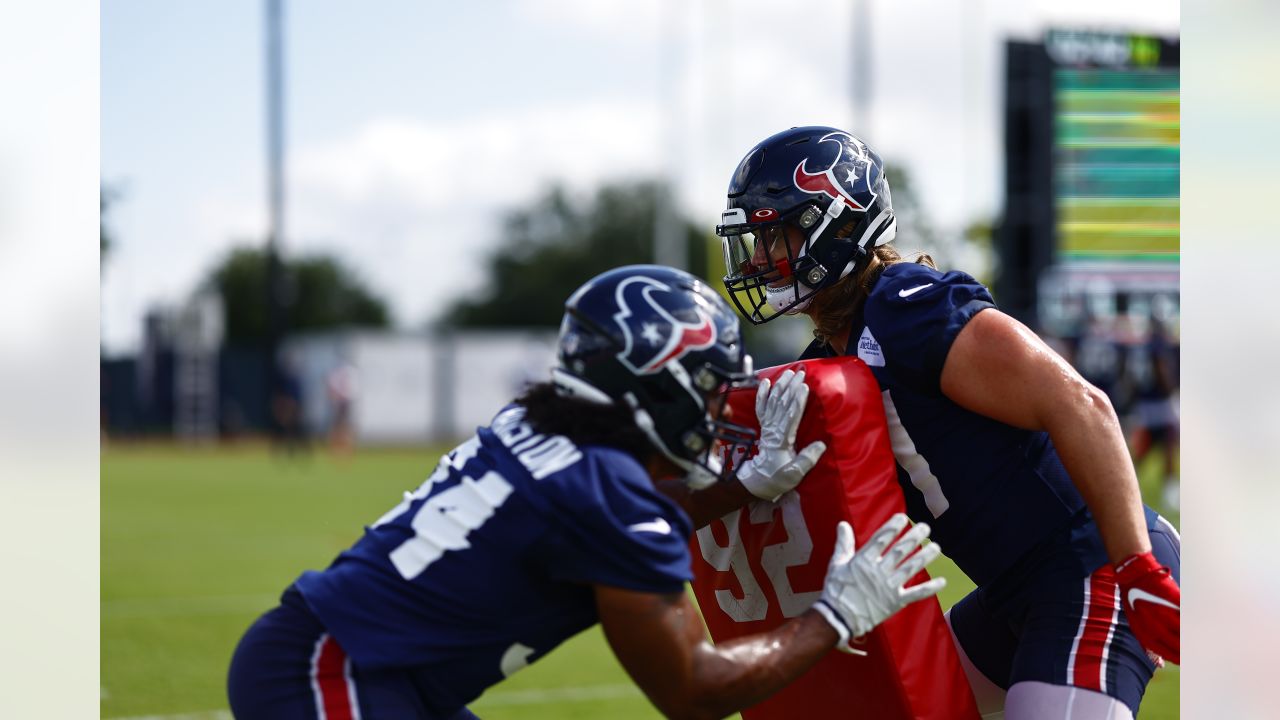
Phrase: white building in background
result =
(417, 387)
(198, 330)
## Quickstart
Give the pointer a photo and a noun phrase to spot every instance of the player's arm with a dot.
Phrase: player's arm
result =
(998, 368)
(661, 641)
(703, 506)
(774, 469)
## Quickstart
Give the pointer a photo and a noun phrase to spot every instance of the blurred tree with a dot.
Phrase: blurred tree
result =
(981, 231)
(980, 235)
(322, 294)
(915, 230)
(559, 242)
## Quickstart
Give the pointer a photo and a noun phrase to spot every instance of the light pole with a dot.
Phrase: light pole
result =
(276, 318)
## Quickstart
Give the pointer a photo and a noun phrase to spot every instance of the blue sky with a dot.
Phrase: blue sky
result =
(412, 125)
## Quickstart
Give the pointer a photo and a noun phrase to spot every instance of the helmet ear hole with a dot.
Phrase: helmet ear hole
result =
(706, 380)
(694, 442)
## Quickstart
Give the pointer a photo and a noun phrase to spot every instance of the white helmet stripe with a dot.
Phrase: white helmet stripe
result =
(570, 385)
(886, 225)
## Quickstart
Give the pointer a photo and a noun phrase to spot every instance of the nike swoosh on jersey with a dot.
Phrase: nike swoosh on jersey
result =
(659, 525)
(1136, 594)
(913, 291)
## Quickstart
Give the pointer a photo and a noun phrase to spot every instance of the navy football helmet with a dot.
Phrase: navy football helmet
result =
(661, 342)
(817, 191)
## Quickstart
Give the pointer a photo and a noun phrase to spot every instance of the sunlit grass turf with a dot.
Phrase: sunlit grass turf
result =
(197, 542)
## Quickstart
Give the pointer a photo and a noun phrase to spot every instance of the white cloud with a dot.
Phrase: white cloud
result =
(414, 206)
(167, 243)
(617, 21)
(413, 201)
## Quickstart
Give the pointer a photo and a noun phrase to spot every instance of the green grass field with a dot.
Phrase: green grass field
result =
(197, 542)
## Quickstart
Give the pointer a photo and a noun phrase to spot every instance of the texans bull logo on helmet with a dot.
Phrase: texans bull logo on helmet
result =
(857, 169)
(655, 338)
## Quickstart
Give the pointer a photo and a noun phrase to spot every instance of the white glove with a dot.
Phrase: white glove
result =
(776, 468)
(862, 590)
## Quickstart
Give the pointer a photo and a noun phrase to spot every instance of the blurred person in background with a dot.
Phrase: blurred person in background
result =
(341, 387)
(1017, 461)
(286, 406)
(1098, 355)
(548, 521)
(1152, 367)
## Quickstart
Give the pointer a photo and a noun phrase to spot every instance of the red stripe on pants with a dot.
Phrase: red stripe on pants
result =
(329, 681)
(1094, 639)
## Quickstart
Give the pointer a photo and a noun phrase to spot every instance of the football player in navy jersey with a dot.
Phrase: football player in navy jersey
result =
(549, 520)
(1018, 463)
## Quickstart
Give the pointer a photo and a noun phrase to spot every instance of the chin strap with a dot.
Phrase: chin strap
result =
(697, 477)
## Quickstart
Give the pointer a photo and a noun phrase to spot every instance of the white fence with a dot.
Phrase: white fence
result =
(409, 388)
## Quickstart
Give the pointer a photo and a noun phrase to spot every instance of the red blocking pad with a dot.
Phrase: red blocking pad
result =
(766, 562)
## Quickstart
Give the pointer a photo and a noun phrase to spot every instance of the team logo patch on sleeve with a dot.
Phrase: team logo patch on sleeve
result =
(869, 350)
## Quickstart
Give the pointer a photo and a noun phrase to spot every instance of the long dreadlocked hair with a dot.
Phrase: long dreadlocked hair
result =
(584, 423)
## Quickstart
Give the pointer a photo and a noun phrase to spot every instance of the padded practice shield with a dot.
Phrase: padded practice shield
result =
(766, 562)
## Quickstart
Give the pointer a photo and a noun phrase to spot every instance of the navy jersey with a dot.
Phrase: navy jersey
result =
(490, 563)
(990, 491)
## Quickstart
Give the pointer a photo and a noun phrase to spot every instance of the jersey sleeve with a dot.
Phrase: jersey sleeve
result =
(915, 314)
(613, 527)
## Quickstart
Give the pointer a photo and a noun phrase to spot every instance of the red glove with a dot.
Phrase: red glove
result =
(1152, 602)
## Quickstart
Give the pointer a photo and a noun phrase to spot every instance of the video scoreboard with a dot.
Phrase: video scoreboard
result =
(1092, 140)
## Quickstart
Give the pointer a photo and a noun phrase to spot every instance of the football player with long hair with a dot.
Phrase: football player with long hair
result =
(548, 520)
(1016, 461)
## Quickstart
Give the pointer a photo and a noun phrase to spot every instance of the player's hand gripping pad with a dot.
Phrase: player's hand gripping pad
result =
(764, 563)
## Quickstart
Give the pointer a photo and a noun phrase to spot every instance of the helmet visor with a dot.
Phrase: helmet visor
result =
(762, 267)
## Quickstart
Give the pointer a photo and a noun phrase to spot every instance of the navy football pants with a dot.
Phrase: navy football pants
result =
(287, 667)
(1056, 617)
